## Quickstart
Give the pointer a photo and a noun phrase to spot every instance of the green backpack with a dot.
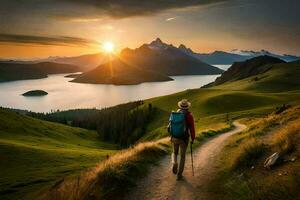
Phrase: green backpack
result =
(178, 125)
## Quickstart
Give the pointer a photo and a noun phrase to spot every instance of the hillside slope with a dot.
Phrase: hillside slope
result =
(118, 72)
(245, 69)
(210, 107)
(282, 77)
(15, 71)
(249, 96)
(35, 153)
(243, 176)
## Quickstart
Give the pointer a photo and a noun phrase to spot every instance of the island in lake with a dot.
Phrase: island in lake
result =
(34, 93)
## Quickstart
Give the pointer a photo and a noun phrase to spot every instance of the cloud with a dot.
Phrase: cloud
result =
(94, 9)
(107, 27)
(41, 40)
(128, 8)
(82, 19)
(170, 19)
(36, 16)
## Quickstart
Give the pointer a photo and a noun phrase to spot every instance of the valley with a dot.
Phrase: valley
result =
(242, 98)
(149, 100)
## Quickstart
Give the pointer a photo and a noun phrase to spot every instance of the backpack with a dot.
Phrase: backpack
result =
(178, 125)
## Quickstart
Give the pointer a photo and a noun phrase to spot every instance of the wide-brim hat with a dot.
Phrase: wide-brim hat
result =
(184, 104)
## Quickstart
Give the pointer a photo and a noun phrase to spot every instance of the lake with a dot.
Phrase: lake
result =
(224, 67)
(65, 95)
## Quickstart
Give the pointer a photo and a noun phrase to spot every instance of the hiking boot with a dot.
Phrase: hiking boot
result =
(179, 177)
(174, 168)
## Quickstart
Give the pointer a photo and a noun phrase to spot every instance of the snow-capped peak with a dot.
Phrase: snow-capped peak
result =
(250, 52)
(158, 44)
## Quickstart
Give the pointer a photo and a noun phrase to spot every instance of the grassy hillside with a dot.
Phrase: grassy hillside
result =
(248, 97)
(241, 70)
(123, 124)
(36, 153)
(243, 176)
(283, 77)
(39, 153)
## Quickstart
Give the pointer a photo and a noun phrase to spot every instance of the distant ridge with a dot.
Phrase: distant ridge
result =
(223, 58)
(251, 67)
(86, 62)
(15, 71)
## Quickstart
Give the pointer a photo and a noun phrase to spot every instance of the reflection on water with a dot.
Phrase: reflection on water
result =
(224, 67)
(66, 95)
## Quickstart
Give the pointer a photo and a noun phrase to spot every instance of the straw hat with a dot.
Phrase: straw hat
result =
(184, 104)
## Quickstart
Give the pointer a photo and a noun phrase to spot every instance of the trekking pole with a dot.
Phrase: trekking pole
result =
(192, 158)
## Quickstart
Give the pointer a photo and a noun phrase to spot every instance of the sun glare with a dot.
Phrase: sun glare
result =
(108, 47)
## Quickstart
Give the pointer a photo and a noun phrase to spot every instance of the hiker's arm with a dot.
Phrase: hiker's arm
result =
(191, 126)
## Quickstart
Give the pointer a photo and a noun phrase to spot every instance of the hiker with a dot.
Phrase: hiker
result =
(181, 127)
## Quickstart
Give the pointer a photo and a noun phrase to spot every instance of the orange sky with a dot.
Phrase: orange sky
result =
(226, 25)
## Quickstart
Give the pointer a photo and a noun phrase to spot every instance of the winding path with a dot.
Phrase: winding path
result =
(161, 184)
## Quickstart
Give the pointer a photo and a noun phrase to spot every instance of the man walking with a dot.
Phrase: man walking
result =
(181, 128)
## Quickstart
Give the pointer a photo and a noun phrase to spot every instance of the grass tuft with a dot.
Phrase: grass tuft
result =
(249, 153)
(286, 139)
(112, 177)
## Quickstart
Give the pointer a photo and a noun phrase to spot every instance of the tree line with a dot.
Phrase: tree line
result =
(123, 124)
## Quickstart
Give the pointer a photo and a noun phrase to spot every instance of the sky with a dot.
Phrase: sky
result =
(32, 29)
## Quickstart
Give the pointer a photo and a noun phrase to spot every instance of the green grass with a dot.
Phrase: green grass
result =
(36, 153)
(243, 98)
(113, 177)
(210, 107)
(249, 154)
(242, 175)
(282, 77)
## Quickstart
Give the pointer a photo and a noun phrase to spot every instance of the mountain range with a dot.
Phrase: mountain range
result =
(148, 63)
(250, 53)
(158, 59)
(228, 58)
(166, 59)
(90, 61)
(85, 62)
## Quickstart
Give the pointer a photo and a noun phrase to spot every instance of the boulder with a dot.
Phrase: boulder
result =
(271, 161)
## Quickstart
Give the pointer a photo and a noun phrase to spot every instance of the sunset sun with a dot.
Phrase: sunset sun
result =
(108, 47)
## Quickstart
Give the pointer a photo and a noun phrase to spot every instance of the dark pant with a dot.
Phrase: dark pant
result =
(181, 145)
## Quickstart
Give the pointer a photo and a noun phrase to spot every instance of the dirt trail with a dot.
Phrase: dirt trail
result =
(161, 184)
